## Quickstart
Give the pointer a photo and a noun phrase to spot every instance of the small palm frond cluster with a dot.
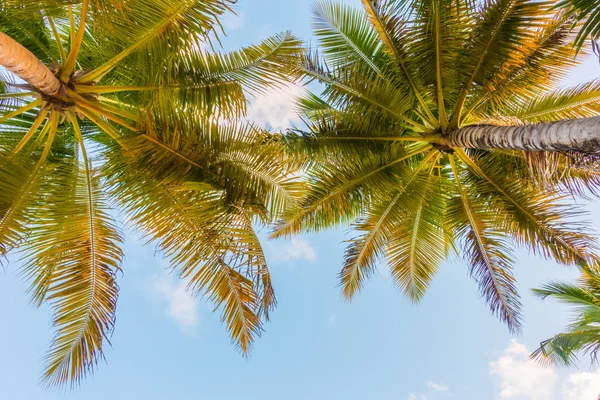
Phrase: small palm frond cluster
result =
(144, 120)
(402, 78)
(583, 334)
(587, 11)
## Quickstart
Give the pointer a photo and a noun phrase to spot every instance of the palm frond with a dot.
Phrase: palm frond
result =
(538, 219)
(587, 11)
(581, 101)
(582, 335)
(382, 224)
(393, 32)
(74, 269)
(347, 37)
(337, 193)
(487, 251)
(418, 244)
(210, 243)
(496, 39)
(155, 30)
(20, 177)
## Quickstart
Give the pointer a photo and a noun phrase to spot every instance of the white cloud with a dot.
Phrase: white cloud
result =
(434, 390)
(436, 386)
(182, 307)
(276, 107)
(295, 249)
(522, 379)
(582, 386)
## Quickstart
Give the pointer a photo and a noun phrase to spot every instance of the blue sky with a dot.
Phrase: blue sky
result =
(168, 345)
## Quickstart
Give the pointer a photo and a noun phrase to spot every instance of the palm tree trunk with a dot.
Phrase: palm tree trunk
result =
(582, 135)
(27, 66)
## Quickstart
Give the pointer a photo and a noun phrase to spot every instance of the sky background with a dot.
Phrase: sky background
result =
(168, 345)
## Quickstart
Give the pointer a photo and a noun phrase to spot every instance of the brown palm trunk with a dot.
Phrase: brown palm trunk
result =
(582, 135)
(20, 61)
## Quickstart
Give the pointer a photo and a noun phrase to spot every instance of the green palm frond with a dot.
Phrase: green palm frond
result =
(582, 335)
(159, 28)
(347, 37)
(418, 242)
(393, 34)
(388, 226)
(350, 86)
(581, 101)
(336, 192)
(547, 57)
(21, 177)
(202, 219)
(496, 39)
(487, 251)
(538, 220)
(587, 11)
(257, 68)
(76, 268)
(207, 83)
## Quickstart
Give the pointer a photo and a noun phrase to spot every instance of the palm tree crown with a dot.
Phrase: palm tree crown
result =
(120, 106)
(412, 90)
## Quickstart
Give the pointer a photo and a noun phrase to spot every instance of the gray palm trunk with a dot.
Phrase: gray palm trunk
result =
(581, 135)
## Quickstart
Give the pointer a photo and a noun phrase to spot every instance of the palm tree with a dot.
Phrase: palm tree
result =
(584, 333)
(440, 129)
(118, 106)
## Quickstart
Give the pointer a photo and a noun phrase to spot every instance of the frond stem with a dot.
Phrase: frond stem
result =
(438, 53)
(101, 71)
(59, 44)
(21, 110)
(170, 150)
(34, 127)
(390, 44)
(456, 114)
(69, 65)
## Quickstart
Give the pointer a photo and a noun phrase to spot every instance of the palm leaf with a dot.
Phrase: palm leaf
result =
(487, 252)
(380, 226)
(582, 334)
(581, 101)
(74, 269)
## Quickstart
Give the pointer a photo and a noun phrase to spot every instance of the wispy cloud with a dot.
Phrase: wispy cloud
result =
(434, 391)
(181, 306)
(519, 377)
(286, 251)
(276, 108)
(581, 386)
(438, 387)
(523, 379)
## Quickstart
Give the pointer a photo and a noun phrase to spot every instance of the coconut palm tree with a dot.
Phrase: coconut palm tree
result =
(583, 335)
(116, 105)
(441, 128)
